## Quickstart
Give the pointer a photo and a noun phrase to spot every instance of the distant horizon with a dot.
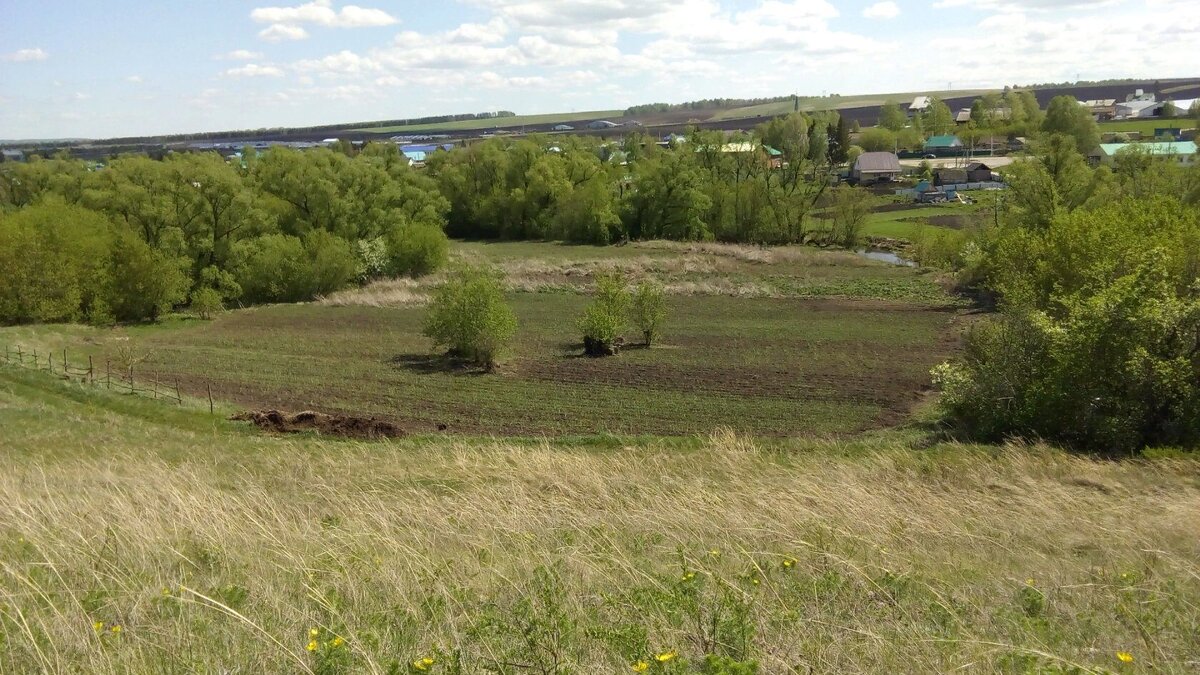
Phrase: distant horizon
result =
(124, 69)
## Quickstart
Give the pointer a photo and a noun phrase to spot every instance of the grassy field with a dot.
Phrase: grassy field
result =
(468, 125)
(1146, 127)
(811, 103)
(136, 537)
(764, 341)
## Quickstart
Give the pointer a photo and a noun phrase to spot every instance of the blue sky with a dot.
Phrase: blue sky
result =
(128, 67)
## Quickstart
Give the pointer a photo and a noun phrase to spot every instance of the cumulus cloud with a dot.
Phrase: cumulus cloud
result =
(134, 79)
(322, 13)
(278, 32)
(26, 55)
(882, 10)
(1023, 5)
(239, 55)
(255, 70)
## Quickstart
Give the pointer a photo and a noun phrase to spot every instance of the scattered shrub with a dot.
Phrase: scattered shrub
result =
(416, 250)
(282, 268)
(142, 283)
(469, 317)
(648, 310)
(206, 302)
(606, 317)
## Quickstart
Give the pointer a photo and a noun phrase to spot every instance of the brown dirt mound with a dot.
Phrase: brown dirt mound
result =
(334, 425)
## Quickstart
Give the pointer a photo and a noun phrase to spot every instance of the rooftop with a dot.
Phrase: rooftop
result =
(877, 162)
(1157, 148)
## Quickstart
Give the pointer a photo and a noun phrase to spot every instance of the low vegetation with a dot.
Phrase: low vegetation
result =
(309, 555)
(468, 316)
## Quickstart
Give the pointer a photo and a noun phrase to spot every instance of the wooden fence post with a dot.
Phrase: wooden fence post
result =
(35, 365)
(178, 396)
(107, 373)
(208, 385)
(50, 362)
(20, 357)
(66, 366)
(156, 385)
(91, 371)
(132, 389)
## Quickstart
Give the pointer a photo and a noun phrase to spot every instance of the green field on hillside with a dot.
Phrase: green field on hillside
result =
(811, 103)
(769, 341)
(496, 123)
(1147, 127)
(136, 537)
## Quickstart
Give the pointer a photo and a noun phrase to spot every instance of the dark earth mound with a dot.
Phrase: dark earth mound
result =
(334, 425)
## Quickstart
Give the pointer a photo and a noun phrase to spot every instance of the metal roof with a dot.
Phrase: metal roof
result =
(944, 141)
(1158, 148)
(920, 103)
(877, 162)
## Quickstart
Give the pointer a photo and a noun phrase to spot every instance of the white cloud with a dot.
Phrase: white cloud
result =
(26, 55)
(479, 33)
(255, 70)
(80, 96)
(278, 32)
(322, 13)
(1022, 5)
(239, 55)
(882, 10)
(134, 79)
(344, 62)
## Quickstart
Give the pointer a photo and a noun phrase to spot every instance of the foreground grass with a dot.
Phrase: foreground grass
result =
(136, 537)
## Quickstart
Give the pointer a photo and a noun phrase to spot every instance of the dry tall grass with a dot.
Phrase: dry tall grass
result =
(218, 551)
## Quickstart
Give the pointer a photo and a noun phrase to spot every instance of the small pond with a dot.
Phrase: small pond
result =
(885, 256)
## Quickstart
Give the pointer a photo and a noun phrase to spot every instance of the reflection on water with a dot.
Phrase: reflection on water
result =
(884, 256)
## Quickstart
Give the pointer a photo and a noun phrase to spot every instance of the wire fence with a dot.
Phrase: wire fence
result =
(124, 378)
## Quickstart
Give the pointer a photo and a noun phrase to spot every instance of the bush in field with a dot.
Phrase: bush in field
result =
(648, 310)
(1098, 346)
(142, 283)
(206, 302)
(606, 317)
(849, 212)
(282, 268)
(469, 317)
(51, 262)
(416, 250)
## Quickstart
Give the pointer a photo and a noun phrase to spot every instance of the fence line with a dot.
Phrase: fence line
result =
(122, 381)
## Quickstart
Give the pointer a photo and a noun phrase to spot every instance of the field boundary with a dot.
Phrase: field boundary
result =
(124, 380)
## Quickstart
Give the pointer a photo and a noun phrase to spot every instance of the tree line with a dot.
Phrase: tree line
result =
(129, 242)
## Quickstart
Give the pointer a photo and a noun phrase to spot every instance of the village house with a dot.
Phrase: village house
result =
(875, 167)
(1183, 152)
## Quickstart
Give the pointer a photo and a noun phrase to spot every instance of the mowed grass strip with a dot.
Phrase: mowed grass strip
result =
(499, 122)
(137, 538)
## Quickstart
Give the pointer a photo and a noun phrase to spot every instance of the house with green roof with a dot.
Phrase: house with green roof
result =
(1183, 152)
(945, 142)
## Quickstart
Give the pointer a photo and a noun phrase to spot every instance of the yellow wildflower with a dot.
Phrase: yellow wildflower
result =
(116, 630)
(754, 581)
(1125, 657)
(1029, 581)
(313, 632)
(98, 626)
(337, 642)
(640, 667)
(166, 591)
(789, 563)
(311, 646)
(688, 576)
(428, 660)
(666, 656)
(420, 664)
(715, 553)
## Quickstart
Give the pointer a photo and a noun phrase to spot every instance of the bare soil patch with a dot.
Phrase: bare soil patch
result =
(334, 425)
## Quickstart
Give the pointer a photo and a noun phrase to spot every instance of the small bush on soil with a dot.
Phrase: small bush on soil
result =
(469, 316)
(206, 302)
(649, 310)
(605, 318)
(416, 250)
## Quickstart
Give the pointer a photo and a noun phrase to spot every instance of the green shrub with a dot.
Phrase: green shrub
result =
(648, 310)
(849, 215)
(416, 250)
(206, 302)
(142, 283)
(606, 317)
(52, 258)
(282, 268)
(469, 317)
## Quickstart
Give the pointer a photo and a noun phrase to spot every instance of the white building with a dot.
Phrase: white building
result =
(1136, 109)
